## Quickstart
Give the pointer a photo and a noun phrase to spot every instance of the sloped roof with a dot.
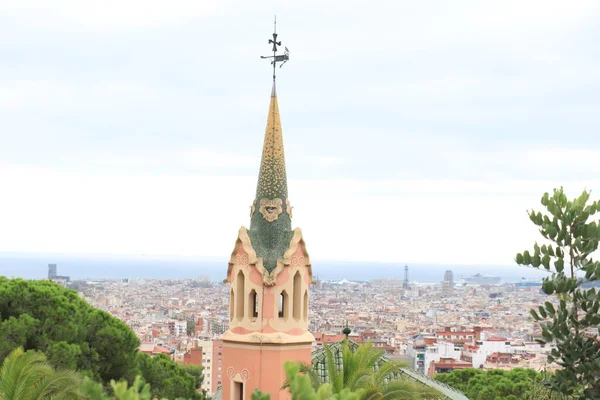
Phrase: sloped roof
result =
(319, 363)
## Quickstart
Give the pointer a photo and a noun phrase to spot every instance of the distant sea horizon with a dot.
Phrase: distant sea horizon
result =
(89, 267)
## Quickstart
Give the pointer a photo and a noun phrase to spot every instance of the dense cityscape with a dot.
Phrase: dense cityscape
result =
(434, 328)
(440, 156)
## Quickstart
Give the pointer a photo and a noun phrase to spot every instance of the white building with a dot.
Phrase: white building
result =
(434, 352)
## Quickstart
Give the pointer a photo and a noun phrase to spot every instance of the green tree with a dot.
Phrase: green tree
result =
(363, 370)
(139, 390)
(197, 371)
(15, 332)
(571, 233)
(165, 377)
(518, 383)
(302, 388)
(190, 327)
(44, 316)
(28, 376)
(539, 391)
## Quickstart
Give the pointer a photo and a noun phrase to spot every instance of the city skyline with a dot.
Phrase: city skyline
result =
(148, 126)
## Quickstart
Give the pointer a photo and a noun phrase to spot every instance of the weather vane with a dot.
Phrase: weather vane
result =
(282, 58)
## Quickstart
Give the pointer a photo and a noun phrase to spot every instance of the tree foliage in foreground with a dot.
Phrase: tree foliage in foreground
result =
(362, 369)
(139, 390)
(571, 232)
(302, 388)
(166, 378)
(44, 316)
(197, 371)
(29, 376)
(518, 383)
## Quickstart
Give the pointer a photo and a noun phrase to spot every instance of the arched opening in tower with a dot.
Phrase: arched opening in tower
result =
(306, 305)
(240, 289)
(282, 306)
(253, 303)
(231, 305)
(297, 295)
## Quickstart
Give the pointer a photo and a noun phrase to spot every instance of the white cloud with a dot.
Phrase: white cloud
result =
(563, 164)
(203, 158)
(18, 94)
(325, 161)
(445, 59)
(108, 14)
(434, 21)
(46, 210)
(55, 94)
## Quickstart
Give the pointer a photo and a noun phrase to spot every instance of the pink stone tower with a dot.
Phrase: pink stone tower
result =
(269, 276)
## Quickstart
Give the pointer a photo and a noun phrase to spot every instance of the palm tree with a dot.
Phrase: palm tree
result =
(28, 376)
(363, 369)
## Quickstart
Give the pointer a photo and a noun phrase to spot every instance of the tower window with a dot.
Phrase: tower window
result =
(240, 283)
(283, 299)
(306, 305)
(231, 305)
(297, 295)
(253, 303)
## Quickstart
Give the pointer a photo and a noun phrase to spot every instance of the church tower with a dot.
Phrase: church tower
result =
(269, 276)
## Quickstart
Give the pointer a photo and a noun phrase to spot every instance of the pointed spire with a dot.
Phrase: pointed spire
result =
(270, 226)
(272, 179)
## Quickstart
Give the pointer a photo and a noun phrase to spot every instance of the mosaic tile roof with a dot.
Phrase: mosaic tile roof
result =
(271, 237)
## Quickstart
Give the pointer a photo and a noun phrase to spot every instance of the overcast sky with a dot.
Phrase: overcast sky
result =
(414, 131)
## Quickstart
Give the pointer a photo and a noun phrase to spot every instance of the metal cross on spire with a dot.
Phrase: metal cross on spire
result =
(275, 58)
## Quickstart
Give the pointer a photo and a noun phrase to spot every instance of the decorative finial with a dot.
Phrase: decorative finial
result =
(282, 58)
(347, 330)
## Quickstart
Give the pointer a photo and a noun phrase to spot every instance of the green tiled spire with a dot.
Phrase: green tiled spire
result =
(270, 226)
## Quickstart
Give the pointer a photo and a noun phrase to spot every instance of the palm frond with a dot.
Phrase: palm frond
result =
(359, 378)
(365, 371)
(308, 370)
(387, 371)
(60, 384)
(405, 389)
(336, 376)
(371, 394)
(28, 376)
(21, 371)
